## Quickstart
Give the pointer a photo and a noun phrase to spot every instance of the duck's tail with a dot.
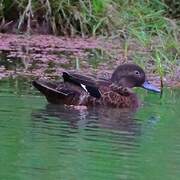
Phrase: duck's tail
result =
(50, 90)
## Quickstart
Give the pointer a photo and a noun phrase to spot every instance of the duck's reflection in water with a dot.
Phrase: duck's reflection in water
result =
(122, 120)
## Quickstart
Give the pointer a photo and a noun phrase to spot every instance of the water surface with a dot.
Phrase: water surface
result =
(44, 141)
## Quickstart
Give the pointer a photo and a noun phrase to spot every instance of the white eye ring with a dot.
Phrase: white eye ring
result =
(137, 73)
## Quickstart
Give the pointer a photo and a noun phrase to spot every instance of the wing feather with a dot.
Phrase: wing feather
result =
(86, 83)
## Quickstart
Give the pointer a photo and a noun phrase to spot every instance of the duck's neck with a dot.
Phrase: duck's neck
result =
(125, 91)
(124, 82)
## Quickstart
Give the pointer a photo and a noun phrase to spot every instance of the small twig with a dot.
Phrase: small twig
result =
(162, 85)
(77, 63)
(4, 26)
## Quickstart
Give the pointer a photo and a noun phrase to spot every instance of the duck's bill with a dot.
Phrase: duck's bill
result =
(150, 87)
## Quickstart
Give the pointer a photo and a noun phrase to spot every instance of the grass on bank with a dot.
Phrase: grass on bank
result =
(151, 24)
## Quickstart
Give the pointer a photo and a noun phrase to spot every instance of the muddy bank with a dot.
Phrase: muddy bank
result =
(45, 56)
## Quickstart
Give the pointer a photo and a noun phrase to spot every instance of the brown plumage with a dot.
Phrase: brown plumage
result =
(82, 90)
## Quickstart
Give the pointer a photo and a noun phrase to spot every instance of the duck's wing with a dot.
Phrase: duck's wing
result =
(48, 87)
(88, 84)
(56, 92)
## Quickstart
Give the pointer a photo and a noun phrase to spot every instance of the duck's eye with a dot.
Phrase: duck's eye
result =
(137, 73)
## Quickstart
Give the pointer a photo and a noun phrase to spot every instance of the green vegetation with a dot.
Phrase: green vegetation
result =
(150, 24)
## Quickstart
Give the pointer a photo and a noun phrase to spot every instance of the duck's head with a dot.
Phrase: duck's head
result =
(131, 75)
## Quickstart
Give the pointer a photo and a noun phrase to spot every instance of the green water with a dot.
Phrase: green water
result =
(46, 142)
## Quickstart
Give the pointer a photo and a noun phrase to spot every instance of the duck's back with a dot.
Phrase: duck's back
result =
(112, 98)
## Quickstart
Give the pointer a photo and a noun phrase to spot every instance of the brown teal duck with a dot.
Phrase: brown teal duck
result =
(78, 90)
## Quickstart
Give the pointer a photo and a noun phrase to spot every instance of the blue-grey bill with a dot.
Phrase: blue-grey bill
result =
(150, 87)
